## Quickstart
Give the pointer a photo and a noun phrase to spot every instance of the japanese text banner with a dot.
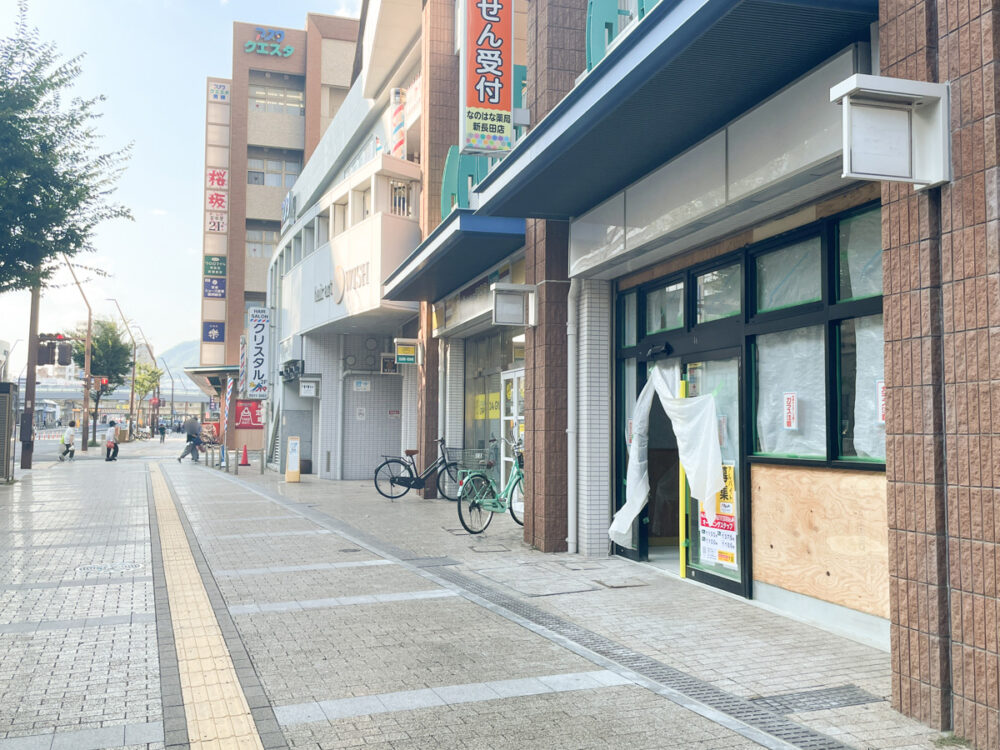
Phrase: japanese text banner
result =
(489, 65)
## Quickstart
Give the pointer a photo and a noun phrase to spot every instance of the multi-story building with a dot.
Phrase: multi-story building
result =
(261, 126)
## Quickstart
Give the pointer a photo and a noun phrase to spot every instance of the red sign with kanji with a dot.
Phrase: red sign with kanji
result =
(249, 415)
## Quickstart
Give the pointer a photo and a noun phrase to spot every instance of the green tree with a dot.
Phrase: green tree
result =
(56, 182)
(147, 378)
(110, 357)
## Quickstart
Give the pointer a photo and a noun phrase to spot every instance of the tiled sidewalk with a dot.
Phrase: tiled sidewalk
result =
(350, 621)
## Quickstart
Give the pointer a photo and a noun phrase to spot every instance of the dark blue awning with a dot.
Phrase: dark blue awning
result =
(685, 70)
(462, 247)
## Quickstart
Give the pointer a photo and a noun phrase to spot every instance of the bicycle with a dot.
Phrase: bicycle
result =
(478, 499)
(396, 476)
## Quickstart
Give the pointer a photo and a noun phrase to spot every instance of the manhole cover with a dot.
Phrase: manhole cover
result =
(109, 568)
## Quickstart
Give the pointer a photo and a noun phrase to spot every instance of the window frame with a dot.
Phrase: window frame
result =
(741, 331)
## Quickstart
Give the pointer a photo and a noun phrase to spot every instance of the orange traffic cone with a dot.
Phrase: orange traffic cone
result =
(244, 461)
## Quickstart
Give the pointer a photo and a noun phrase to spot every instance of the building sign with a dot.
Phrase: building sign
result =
(257, 346)
(790, 411)
(493, 405)
(269, 42)
(217, 200)
(213, 332)
(218, 92)
(307, 389)
(480, 411)
(249, 415)
(488, 83)
(216, 222)
(880, 401)
(215, 288)
(718, 538)
(215, 265)
(406, 354)
(217, 178)
(362, 385)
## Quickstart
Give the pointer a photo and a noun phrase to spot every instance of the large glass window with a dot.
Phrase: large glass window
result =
(277, 100)
(790, 398)
(790, 276)
(719, 293)
(860, 256)
(486, 357)
(862, 389)
(261, 242)
(665, 308)
(271, 171)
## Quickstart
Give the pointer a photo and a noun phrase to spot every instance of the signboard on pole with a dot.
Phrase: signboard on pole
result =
(257, 352)
(487, 73)
(249, 415)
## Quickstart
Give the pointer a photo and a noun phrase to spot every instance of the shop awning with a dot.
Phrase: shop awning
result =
(462, 247)
(212, 379)
(682, 73)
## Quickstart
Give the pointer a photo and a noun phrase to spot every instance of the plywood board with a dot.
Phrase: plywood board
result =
(822, 533)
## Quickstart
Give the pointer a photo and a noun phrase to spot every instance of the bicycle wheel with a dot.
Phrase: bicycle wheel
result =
(475, 489)
(389, 470)
(447, 481)
(516, 501)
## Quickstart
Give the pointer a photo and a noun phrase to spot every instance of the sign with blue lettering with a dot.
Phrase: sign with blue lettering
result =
(212, 332)
(215, 288)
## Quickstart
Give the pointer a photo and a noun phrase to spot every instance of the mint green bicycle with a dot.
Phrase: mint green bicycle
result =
(478, 499)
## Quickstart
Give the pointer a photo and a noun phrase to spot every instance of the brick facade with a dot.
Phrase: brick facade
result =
(555, 57)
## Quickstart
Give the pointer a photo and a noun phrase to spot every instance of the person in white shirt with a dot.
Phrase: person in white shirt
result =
(67, 439)
(112, 442)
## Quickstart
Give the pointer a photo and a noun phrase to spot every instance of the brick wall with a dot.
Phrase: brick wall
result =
(439, 121)
(555, 57)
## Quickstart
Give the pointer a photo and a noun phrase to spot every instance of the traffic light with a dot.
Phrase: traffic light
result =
(104, 385)
(53, 347)
(65, 353)
(45, 353)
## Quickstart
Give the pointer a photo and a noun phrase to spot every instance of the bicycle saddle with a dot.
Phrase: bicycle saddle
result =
(411, 452)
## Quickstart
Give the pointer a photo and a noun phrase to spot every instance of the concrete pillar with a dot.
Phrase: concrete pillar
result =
(427, 399)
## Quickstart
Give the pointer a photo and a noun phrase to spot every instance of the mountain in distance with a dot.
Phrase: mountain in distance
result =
(185, 354)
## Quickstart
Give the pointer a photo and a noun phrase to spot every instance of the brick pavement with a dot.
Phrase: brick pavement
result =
(350, 621)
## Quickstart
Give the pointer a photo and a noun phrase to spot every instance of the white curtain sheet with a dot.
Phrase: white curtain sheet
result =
(696, 427)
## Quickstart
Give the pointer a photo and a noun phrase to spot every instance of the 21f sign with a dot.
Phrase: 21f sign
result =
(257, 345)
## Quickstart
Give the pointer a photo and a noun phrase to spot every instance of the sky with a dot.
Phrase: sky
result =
(150, 59)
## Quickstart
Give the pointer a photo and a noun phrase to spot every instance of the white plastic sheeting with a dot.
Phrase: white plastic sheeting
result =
(869, 434)
(792, 362)
(695, 425)
(790, 276)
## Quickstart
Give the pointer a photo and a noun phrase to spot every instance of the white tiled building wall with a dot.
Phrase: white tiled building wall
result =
(323, 355)
(594, 403)
(454, 424)
(408, 438)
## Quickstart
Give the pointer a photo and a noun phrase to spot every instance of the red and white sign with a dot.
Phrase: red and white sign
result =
(249, 415)
(790, 416)
(487, 87)
(880, 401)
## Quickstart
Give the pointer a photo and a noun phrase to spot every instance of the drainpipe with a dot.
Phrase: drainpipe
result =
(442, 387)
(572, 351)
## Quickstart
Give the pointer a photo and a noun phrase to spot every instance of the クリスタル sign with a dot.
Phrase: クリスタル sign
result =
(258, 335)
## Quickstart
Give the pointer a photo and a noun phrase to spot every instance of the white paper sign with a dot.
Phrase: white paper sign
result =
(307, 389)
(292, 463)
(790, 417)
(362, 385)
(880, 401)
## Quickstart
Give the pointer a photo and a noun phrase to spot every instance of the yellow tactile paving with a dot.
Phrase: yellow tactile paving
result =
(218, 717)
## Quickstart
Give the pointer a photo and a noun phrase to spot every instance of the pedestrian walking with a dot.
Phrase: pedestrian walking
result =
(162, 429)
(111, 442)
(67, 440)
(192, 429)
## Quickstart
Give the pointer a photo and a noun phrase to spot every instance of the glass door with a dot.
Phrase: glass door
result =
(716, 552)
(512, 427)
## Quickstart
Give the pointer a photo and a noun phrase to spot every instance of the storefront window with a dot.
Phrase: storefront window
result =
(665, 308)
(862, 389)
(719, 294)
(486, 357)
(790, 276)
(790, 402)
(629, 320)
(860, 257)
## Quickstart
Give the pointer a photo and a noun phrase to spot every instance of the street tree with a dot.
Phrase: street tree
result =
(110, 357)
(147, 378)
(56, 181)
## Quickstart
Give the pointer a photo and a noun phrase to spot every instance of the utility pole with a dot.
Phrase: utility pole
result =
(154, 415)
(28, 415)
(171, 393)
(131, 397)
(85, 441)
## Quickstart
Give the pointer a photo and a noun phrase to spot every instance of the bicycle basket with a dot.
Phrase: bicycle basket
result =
(471, 459)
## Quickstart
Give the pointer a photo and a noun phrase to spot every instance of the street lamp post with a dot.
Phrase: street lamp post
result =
(171, 393)
(154, 416)
(131, 398)
(85, 441)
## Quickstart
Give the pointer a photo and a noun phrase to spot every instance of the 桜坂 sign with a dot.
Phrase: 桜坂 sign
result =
(215, 265)
(487, 77)
(268, 42)
(257, 345)
(249, 415)
(215, 288)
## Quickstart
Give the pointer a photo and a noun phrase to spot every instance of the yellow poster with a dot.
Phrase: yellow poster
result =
(718, 538)
(494, 405)
(480, 406)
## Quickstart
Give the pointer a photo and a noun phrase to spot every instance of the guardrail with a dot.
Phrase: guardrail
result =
(217, 458)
